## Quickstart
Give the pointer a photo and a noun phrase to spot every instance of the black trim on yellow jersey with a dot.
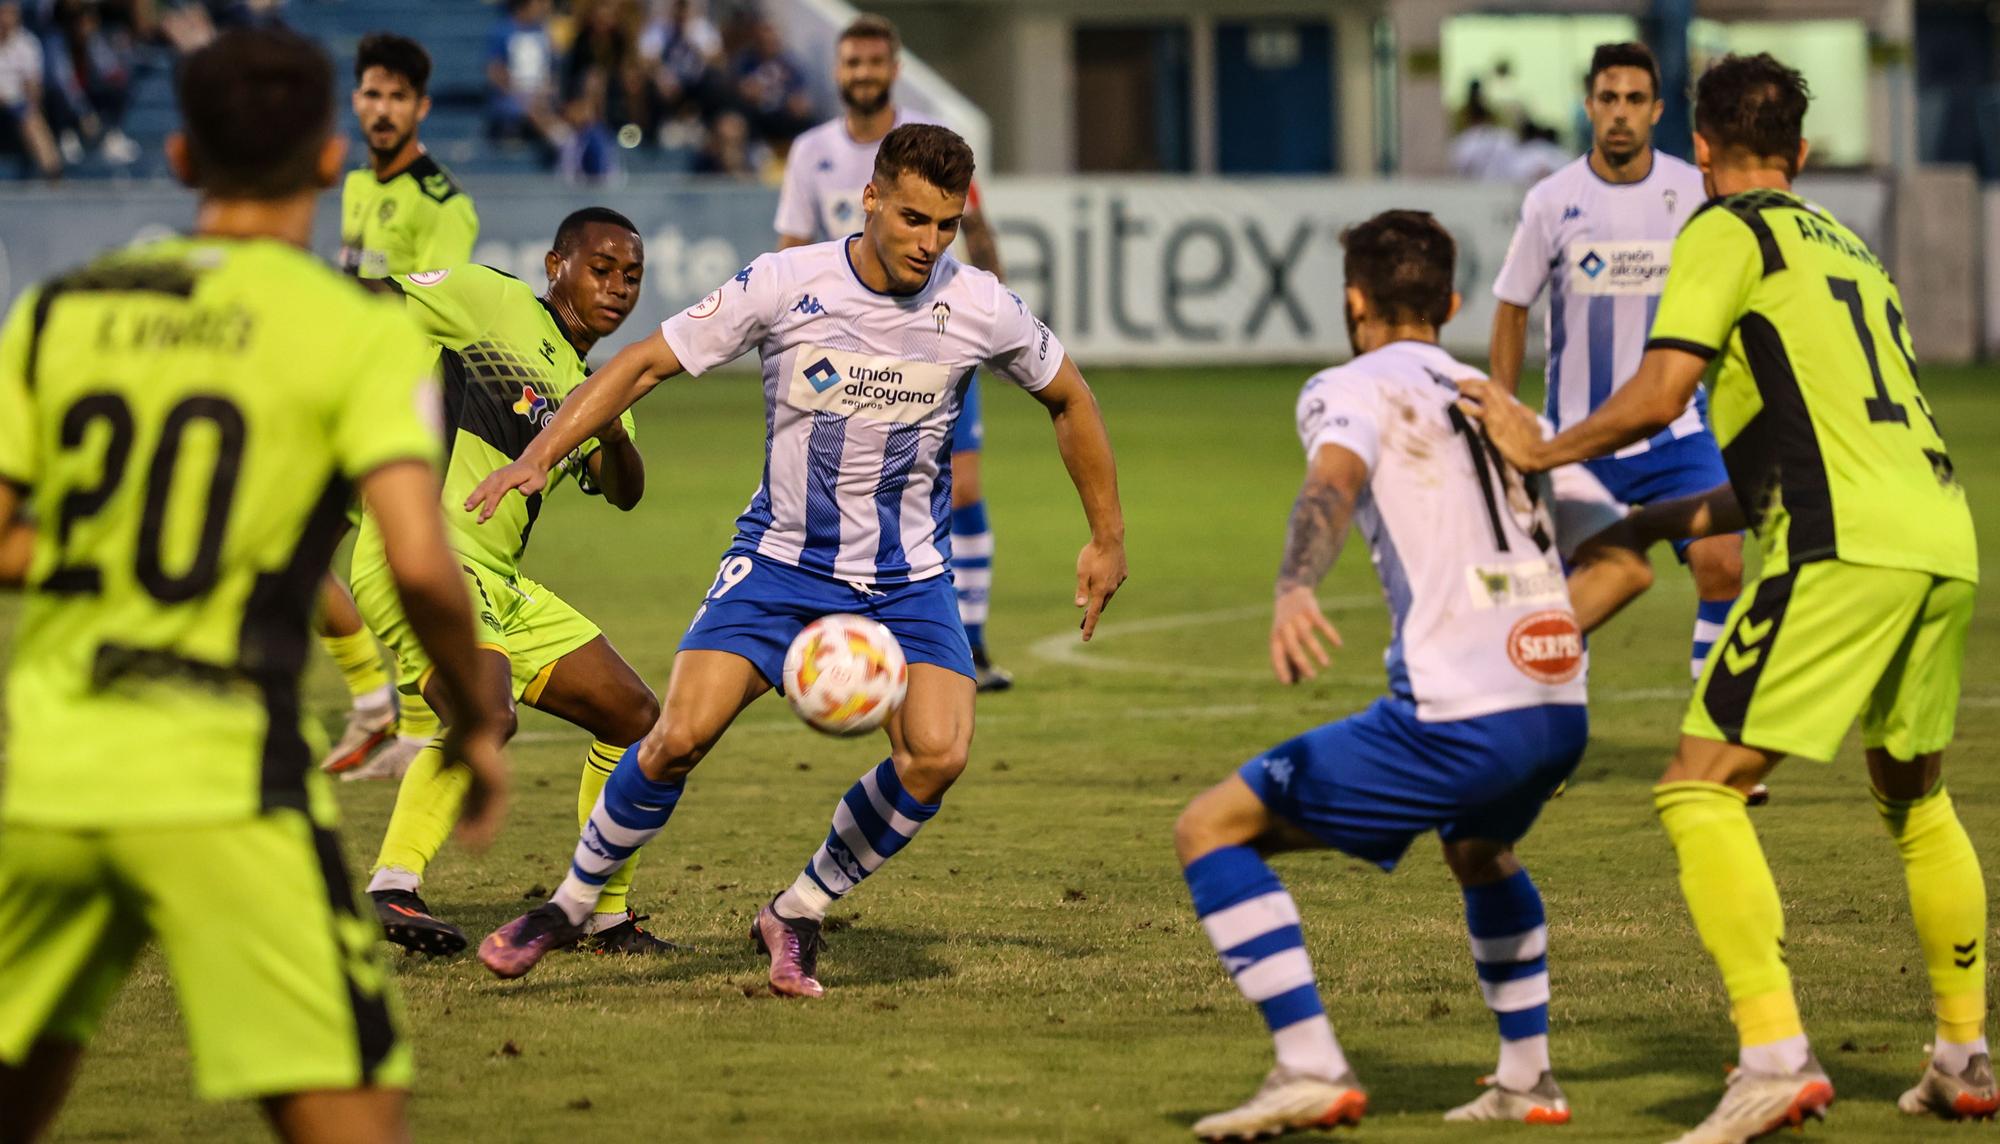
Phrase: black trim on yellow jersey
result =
(1777, 453)
(137, 276)
(1703, 352)
(432, 179)
(272, 644)
(374, 1029)
(1749, 206)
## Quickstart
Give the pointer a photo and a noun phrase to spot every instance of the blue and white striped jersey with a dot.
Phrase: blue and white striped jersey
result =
(1602, 250)
(860, 393)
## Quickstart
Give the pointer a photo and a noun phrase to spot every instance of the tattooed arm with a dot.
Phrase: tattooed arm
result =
(1318, 529)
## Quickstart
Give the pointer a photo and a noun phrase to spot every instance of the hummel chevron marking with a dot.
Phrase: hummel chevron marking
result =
(1739, 662)
(1970, 950)
(1748, 633)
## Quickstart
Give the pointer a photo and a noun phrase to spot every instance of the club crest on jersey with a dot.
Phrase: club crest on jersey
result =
(1547, 647)
(1672, 198)
(858, 385)
(533, 406)
(941, 315)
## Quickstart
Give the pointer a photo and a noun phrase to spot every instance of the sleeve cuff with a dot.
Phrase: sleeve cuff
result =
(1705, 353)
(690, 366)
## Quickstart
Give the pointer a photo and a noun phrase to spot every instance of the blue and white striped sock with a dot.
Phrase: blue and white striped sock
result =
(972, 568)
(1510, 946)
(1254, 926)
(631, 811)
(871, 822)
(1709, 617)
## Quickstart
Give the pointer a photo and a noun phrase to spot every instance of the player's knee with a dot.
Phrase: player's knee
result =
(1717, 568)
(929, 769)
(1198, 830)
(669, 752)
(636, 712)
(507, 722)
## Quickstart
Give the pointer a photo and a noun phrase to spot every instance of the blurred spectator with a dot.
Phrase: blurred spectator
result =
(731, 150)
(247, 13)
(1482, 149)
(602, 66)
(1538, 155)
(22, 128)
(772, 88)
(683, 56)
(520, 77)
(89, 82)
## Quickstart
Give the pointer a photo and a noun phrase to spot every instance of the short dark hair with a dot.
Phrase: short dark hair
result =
(1403, 262)
(869, 26)
(932, 153)
(1753, 104)
(571, 231)
(397, 55)
(1629, 54)
(256, 106)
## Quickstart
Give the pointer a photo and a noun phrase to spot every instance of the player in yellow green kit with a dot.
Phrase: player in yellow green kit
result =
(188, 420)
(509, 358)
(1862, 603)
(401, 213)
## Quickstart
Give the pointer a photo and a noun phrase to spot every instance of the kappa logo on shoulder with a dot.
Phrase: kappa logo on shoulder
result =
(1570, 212)
(822, 375)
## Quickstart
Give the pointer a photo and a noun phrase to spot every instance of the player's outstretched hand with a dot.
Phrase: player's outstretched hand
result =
(481, 749)
(1296, 625)
(1511, 426)
(1100, 569)
(521, 476)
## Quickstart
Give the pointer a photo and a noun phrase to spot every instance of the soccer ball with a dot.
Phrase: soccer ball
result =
(845, 675)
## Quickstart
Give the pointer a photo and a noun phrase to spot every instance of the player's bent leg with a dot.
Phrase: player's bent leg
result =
(594, 688)
(32, 1093)
(426, 810)
(1716, 563)
(371, 717)
(349, 1116)
(1510, 940)
(1254, 926)
(972, 552)
(706, 690)
(930, 739)
(1948, 904)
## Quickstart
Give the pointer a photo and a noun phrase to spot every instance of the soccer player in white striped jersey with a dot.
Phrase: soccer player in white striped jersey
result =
(821, 201)
(1485, 718)
(1598, 235)
(867, 345)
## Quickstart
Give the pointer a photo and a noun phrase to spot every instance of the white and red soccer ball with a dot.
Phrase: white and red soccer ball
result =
(845, 675)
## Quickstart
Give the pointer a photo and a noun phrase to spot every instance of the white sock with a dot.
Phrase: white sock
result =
(1786, 1056)
(1952, 1057)
(394, 878)
(576, 898)
(803, 900)
(374, 701)
(1308, 1048)
(598, 923)
(1522, 1062)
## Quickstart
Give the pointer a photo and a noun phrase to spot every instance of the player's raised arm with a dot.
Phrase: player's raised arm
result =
(1086, 452)
(591, 406)
(1638, 409)
(1313, 540)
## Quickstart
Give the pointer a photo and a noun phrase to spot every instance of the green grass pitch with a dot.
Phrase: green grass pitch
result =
(1030, 969)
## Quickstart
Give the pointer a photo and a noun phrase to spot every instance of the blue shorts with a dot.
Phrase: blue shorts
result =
(1679, 468)
(757, 606)
(1369, 784)
(968, 433)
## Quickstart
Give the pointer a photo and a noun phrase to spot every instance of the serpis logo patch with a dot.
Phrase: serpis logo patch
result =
(822, 375)
(531, 404)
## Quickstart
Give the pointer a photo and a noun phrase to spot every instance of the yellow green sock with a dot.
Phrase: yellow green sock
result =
(1734, 901)
(359, 660)
(1948, 903)
(598, 763)
(417, 720)
(426, 809)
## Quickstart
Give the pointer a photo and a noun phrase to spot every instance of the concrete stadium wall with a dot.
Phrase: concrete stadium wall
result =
(1180, 271)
